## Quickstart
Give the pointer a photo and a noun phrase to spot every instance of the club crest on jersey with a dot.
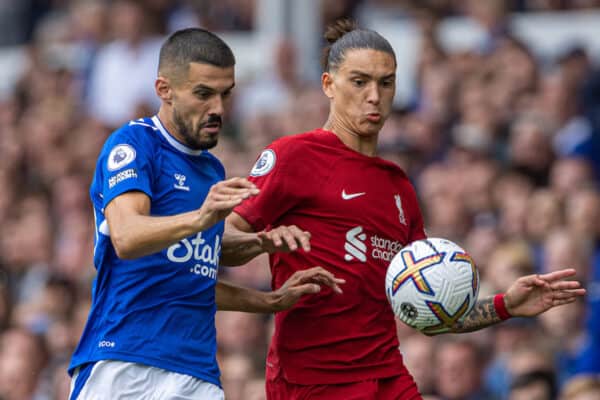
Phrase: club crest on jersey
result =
(401, 216)
(120, 156)
(264, 164)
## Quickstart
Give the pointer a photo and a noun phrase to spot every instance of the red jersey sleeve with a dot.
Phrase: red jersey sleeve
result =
(276, 174)
(417, 229)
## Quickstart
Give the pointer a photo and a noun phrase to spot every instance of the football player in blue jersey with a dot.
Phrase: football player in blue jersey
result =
(159, 202)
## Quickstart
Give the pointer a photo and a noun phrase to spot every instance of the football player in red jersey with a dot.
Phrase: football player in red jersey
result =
(326, 194)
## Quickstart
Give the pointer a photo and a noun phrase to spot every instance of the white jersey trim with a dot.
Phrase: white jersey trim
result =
(172, 141)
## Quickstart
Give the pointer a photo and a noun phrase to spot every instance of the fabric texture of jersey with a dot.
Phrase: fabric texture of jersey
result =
(360, 211)
(159, 309)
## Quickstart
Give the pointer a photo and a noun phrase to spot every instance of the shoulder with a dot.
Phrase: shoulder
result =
(394, 168)
(132, 139)
(285, 152)
(297, 143)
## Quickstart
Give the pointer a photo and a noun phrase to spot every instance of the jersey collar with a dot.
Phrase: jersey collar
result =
(172, 141)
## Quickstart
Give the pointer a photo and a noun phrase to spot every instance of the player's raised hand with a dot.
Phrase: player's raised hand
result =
(533, 294)
(285, 239)
(302, 283)
(223, 197)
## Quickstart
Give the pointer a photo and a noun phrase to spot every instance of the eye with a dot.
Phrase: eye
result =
(227, 94)
(387, 83)
(359, 82)
(203, 94)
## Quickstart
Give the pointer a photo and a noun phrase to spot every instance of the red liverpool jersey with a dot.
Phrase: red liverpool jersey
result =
(360, 211)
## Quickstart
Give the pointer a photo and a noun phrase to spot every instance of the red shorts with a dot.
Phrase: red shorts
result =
(401, 387)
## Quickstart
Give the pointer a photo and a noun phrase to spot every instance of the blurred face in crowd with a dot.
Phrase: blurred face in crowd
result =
(197, 102)
(361, 90)
(544, 214)
(583, 213)
(530, 145)
(569, 174)
(458, 370)
(417, 351)
(126, 20)
(534, 391)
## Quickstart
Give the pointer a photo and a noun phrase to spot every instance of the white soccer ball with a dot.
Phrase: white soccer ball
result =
(431, 284)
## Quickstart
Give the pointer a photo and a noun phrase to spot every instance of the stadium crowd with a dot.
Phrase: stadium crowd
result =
(503, 148)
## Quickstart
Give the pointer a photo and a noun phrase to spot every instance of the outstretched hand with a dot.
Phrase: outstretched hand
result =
(223, 197)
(285, 239)
(301, 283)
(531, 295)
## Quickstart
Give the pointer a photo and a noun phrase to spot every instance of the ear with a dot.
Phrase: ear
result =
(163, 89)
(327, 84)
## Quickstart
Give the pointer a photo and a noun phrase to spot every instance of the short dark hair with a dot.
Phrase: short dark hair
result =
(345, 35)
(547, 378)
(193, 45)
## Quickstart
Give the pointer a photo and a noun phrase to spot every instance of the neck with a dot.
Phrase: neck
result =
(366, 145)
(166, 119)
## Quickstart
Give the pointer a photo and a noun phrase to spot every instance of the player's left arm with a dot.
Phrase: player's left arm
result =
(230, 297)
(528, 296)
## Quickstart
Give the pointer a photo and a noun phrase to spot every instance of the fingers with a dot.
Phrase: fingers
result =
(564, 294)
(565, 285)
(240, 183)
(288, 236)
(321, 276)
(560, 302)
(307, 288)
(558, 275)
(235, 187)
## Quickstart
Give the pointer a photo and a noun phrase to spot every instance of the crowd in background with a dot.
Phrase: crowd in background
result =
(503, 148)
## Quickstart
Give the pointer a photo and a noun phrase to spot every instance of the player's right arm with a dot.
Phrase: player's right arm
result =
(134, 233)
(241, 244)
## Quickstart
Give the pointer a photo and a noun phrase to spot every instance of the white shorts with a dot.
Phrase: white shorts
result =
(118, 380)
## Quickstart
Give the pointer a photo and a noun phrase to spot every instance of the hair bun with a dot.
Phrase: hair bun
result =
(338, 29)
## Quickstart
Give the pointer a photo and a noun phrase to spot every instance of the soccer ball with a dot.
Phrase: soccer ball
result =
(431, 284)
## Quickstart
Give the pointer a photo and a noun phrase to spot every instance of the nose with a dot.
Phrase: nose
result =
(217, 106)
(373, 95)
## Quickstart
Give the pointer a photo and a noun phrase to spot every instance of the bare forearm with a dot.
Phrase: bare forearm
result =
(240, 242)
(481, 316)
(235, 298)
(233, 255)
(140, 235)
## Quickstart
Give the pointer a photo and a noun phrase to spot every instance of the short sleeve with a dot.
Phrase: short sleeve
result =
(417, 229)
(275, 173)
(125, 165)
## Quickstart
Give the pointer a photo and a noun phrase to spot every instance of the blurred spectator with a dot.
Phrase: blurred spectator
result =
(530, 150)
(504, 147)
(508, 261)
(123, 72)
(581, 388)
(418, 355)
(458, 375)
(535, 385)
(22, 359)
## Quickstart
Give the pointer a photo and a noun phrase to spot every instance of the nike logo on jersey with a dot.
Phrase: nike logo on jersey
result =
(349, 196)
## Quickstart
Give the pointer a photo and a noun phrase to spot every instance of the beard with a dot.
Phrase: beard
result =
(193, 137)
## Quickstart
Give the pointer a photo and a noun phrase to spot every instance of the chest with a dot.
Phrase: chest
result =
(181, 183)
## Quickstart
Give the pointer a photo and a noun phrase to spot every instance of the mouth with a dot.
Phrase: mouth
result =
(212, 128)
(374, 117)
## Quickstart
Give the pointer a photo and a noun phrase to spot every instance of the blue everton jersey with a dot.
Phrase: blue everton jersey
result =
(159, 309)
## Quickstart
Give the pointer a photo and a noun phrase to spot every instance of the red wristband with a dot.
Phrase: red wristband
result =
(500, 307)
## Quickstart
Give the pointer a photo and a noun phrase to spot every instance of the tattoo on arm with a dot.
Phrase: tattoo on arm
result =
(481, 316)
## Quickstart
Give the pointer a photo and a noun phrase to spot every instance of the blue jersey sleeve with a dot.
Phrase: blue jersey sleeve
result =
(126, 164)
